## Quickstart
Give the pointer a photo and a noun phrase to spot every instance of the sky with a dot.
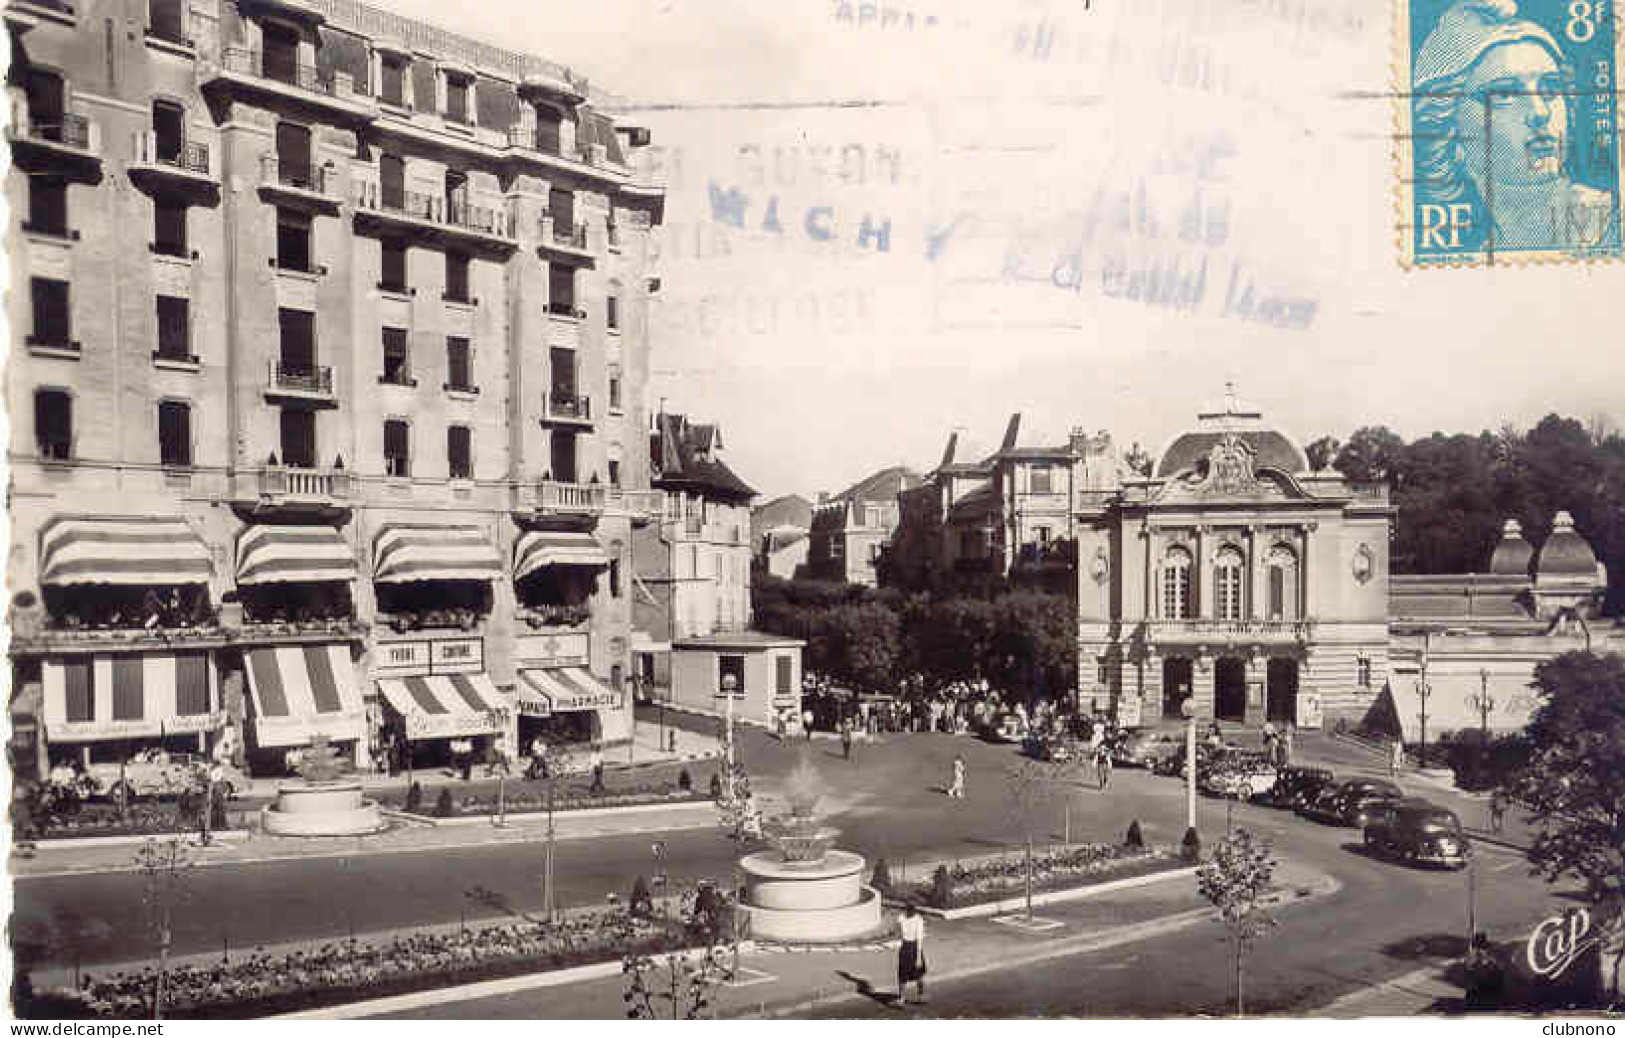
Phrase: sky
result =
(888, 221)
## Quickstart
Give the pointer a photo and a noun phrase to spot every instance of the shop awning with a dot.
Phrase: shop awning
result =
(299, 691)
(439, 706)
(289, 554)
(407, 551)
(130, 696)
(562, 689)
(155, 550)
(538, 548)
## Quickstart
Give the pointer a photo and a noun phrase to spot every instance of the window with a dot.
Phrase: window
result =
(397, 460)
(731, 675)
(297, 330)
(1362, 672)
(393, 266)
(562, 450)
(392, 80)
(1103, 671)
(293, 241)
(164, 20)
(46, 107)
(52, 323)
(294, 167)
(397, 370)
(561, 289)
(281, 60)
(457, 99)
(1176, 585)
(456, 196)
(615, 578)
(837, 548)
(48, 206)
(460, 452)
(53, 424)
(174, 328)
(1227, 584)
(614, 390)
(1039, 480)
(168, 228)
(298, 438)
(457, 277)
(561, 205)
(458, 367)
(614, 473)
(612, 313)
(1042, 534)
(547, 131)
(563, 399)
(1282, 566)
(391, 182)
(786, 674)
(175, 434)
(168, 132)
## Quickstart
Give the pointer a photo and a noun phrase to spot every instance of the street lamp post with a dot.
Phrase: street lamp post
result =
(1188, 708)
(1484, 703)
(1423, 691)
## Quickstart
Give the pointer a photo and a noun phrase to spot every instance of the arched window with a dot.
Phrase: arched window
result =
(1227, 570)
(1282, 567)
(1176, 584)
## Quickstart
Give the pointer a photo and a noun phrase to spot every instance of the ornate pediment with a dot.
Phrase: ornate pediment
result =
(1229, 472)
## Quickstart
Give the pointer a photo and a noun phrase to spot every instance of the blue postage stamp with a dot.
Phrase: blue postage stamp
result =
(1509, 136)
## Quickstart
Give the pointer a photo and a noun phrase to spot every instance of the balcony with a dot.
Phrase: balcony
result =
(1228, 632)
(68, 145)
(551, 615)
(435, 221)
(551, 497)
(289, 488)
(260, 78)
(311, 385)
(565, 241)
(1055, 555)
(302, 186)
(640, 506)
(565, 408)
(176, 168)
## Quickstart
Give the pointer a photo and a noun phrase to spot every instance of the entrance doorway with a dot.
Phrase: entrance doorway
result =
(1230, 689)
(1176, 685)
(1282, 694)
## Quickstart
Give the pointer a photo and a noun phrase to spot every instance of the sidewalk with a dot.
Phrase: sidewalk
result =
(781, 981)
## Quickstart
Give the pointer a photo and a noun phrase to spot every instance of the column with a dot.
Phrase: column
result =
(1257, 697)
(1150, 586)
(1202, 686)
(1306, 600)
(1254, 611)
(1151, 690)
(1201, 593)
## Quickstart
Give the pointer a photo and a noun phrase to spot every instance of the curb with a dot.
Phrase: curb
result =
(130, 840)
(481, 989)
(518, 818)
(1004, 905)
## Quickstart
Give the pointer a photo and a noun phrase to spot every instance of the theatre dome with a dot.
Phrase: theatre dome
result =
(1272, 447)
(1565, 553)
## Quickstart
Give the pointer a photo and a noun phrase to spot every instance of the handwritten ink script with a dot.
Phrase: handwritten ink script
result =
(1559, 941)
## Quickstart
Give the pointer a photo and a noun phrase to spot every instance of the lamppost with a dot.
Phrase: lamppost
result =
(1484, 703)
(1423, 691)
(499, 721)
(1188, 709)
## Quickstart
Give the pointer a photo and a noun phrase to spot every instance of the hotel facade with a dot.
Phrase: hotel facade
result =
(327, 382)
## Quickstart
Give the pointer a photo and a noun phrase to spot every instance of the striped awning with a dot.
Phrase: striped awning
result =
(407, 551)
(538, 548)
(299, 691)
(289, 554)
(561, 690)
(440, 706)
(130, 696)
(155, 550)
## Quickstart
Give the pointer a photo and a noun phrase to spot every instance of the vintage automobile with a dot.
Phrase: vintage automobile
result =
(1418, 832)
(1145, 747)
(159, 775)
(1294, 783)
(1050, 746)
(1237, 774)
(1354, 802)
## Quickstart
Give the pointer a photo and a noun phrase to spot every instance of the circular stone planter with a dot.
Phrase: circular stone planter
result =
(808, 900)
(325, 809)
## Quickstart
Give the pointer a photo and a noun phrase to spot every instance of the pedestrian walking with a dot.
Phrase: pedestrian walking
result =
(1286, 743)
(956, 788)
(806, 723)
(1498, 812)
(911, 955)
(1397, 759)
(1103, 766)
(846, 741)
(596, 761)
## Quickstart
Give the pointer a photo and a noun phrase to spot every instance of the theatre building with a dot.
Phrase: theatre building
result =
(1233, 576)
(328, 356)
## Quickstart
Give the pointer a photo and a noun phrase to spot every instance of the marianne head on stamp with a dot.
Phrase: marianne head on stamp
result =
(1514, 137)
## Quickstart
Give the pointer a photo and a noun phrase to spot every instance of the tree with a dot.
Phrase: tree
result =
(863, 645)
(1573, 786)
(1371, 454)
(164, 867)
(1235, 880)
(1323, 452)
(1031, 785)
(673, 986)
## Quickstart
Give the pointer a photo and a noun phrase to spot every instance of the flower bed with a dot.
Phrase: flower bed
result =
(528, 800)
(354, 970)
(999, 879)
(138, 821)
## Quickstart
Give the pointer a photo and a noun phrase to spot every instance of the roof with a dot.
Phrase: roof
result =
(789, 509)
(884, 485)
(1272, 448)
(1565, 553)
(683, 455)
(1513, 554)
(737, 640)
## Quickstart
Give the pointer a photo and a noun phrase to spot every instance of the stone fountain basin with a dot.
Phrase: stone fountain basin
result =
(771, 882)
(321, 809)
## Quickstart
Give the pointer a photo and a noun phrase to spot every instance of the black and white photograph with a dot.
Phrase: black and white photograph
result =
(886, 510)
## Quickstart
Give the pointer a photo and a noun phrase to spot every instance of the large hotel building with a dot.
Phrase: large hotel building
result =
(329, 346)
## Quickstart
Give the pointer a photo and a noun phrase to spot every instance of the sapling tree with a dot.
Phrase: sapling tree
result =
(1236, 880)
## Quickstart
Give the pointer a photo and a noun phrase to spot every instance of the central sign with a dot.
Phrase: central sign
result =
(441, 656)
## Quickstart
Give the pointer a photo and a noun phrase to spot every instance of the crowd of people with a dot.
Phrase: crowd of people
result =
(961, 708)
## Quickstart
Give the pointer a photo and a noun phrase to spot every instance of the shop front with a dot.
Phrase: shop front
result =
(440, 707)
(298, 692)
(569, 707)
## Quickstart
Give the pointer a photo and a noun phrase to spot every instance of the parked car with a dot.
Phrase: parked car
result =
(1354, 802)
(1239, 775)
(1418, 832)
(1146, 747)
(1295, 783)
(160, 776)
